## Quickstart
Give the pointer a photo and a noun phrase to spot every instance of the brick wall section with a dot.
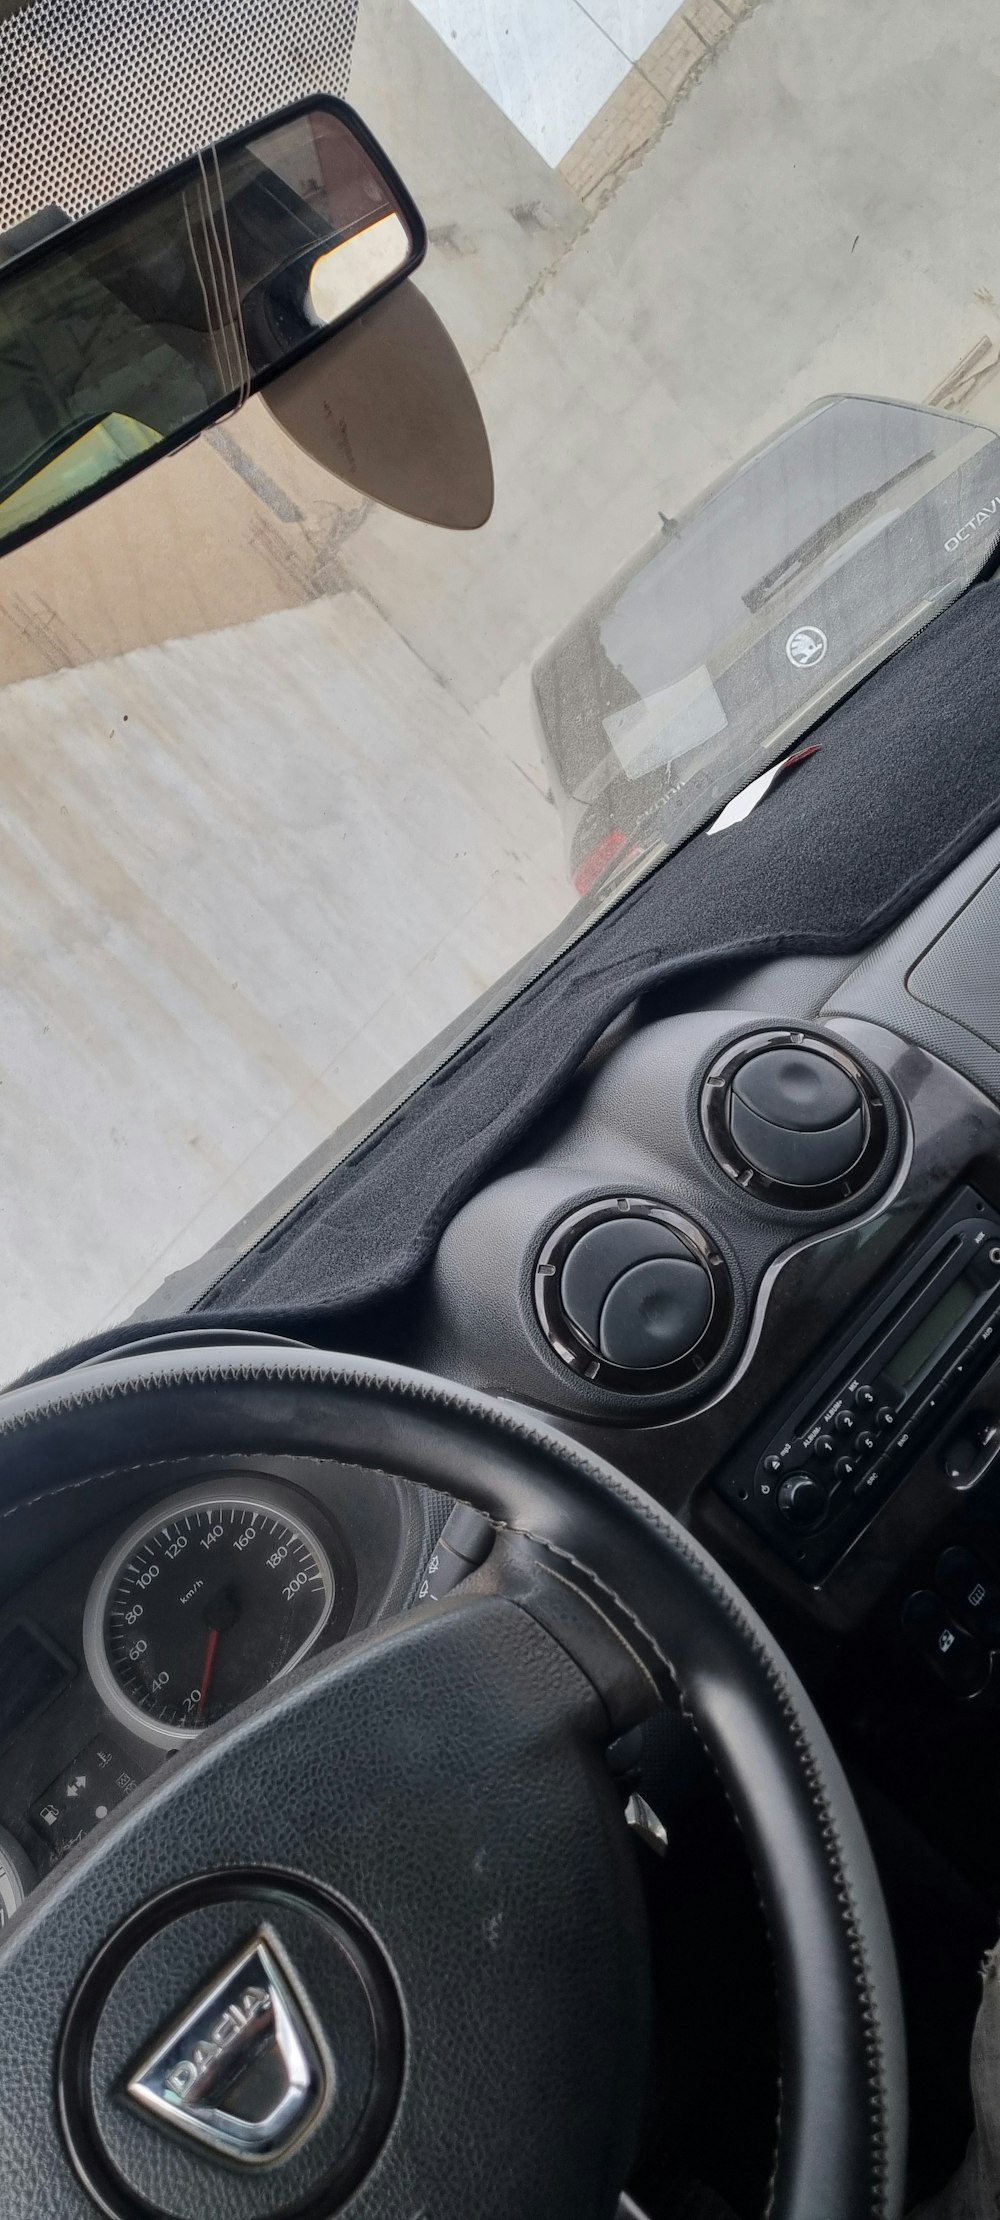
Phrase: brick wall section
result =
(669, 62)
(618, 134)
(709, 19)
(641, 105)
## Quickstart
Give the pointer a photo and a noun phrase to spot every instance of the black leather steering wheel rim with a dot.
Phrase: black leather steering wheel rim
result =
(842, 2129)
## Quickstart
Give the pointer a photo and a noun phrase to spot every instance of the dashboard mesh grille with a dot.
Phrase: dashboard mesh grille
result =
(98, 95)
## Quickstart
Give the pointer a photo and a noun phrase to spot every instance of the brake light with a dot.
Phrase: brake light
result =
(589, 871)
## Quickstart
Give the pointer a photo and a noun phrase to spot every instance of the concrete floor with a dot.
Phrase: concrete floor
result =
(270, 813)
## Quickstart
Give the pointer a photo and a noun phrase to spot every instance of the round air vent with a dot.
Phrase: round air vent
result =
(794, 1119)
(633, 1295)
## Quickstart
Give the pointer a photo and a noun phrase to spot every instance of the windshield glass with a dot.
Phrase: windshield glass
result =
(295, 789)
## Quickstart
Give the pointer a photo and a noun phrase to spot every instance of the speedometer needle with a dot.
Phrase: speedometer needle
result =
(206, 1672)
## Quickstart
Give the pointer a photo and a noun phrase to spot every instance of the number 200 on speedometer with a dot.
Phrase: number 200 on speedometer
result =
(202, 1603)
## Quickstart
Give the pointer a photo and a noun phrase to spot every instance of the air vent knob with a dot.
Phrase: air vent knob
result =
(797, 1117)
(633, 1294)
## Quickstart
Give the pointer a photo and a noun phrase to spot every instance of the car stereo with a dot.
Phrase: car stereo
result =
(811, 1479)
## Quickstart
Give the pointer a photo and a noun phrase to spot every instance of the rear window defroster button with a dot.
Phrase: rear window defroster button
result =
(973, 1594)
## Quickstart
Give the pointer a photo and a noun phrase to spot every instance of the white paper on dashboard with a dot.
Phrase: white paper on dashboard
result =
(743, 803)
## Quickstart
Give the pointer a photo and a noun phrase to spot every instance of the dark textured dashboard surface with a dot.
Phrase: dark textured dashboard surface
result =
(960, 975)
(934, 978)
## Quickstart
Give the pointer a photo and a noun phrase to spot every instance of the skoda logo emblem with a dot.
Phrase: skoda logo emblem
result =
(805, 646)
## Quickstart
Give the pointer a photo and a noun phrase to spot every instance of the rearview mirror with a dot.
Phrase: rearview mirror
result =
(127, 333)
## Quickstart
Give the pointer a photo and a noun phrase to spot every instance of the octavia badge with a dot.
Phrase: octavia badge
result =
(243, 2069)
(805, 646)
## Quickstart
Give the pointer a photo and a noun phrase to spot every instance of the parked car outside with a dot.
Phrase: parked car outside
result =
(765, 601)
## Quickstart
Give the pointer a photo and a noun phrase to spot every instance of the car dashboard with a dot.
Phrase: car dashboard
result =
(832, 1432)
(752, 1257)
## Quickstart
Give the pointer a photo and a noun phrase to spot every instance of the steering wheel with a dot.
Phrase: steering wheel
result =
(379, 1941)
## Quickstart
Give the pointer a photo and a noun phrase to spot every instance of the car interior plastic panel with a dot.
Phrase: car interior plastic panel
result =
(936, 977)
(630, 1127)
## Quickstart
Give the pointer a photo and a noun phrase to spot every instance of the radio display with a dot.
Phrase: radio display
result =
(934, 1328)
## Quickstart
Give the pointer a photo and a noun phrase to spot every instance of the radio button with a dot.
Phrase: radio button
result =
(845, 1422)
(845, 1468)
(864, 1444)
(802, 1500)
(824, 1447)
(886, 1418)
(864, 1397)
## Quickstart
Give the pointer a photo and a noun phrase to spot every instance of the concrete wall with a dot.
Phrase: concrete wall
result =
(549, 65)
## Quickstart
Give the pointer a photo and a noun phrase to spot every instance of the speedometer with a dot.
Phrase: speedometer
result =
(15, 1877)
(203, 1602)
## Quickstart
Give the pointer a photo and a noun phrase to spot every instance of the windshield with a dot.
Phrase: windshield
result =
(295, 789)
